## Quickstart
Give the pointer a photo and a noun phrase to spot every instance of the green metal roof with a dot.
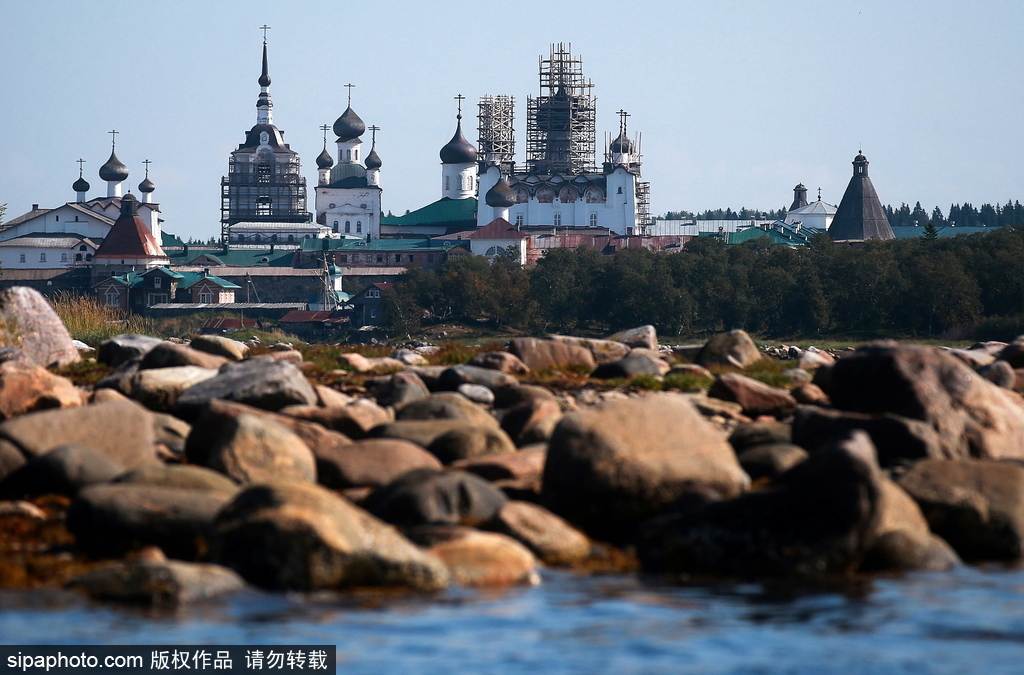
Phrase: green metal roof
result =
(446, 212)
(774, 236)
(237, 257)
(358, 245)
(192, 278)
(167, 239)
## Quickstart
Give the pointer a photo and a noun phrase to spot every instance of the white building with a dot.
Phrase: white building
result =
(816, 215)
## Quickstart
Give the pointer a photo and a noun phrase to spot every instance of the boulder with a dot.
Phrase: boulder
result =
(509, 397)
(257, 449)
(170, 355)
(500, 361)
(171, 435)
(409, 357)
(470, 440)
(300, 536)
(218, 345)
(477, 393)
(64, 471)
(159, 388)
(519, 421)
(27, 387)
(486, 559)
(1013, 354)
(122, 348)
(261, 383)
(757, 398)
(371, 462)
(734, 348)
(424, 496)
(641, 336)
(167, 583)
(118, 379)
(445, 405)
(420, 432)
(353, 419)
(691, 370)
(896, 439)
(770, 460)
(400, 388)
(629, 367)
(110, 519)
(11, 459)
(779, 530)
(972, 416)
(355, 361)
(613, 465)
(999, 373)
(902, 539)
(602, 350)
(27, 321)
(760, 433)
(180, 477)
(809, 394)
(525, 463)
(550, 538)
(456, 375)
(540, 354)
(814, 358)
(122, 431)
(976, 506)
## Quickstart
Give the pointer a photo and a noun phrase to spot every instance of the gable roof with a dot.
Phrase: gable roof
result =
(499, 228)
(190, 279)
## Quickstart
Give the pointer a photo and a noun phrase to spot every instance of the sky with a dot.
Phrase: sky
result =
(737, 101)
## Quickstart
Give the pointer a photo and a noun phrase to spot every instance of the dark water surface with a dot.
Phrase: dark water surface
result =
(967, 621)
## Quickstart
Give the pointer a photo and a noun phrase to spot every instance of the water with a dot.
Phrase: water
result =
(967, 621)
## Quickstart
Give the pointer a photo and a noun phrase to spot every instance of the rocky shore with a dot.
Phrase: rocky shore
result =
(191, 471)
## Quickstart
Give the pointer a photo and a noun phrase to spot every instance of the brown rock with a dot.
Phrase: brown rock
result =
(540, 354)
(159, 388)
(809, 394)
(770, 460)
(164, 583)
(169, 355)
(180, 477)
(371, 462)
(27, 321)
(331, 398)
(27, 387)
(734, 348)
(519, 420)
(642, 336)
(233, 350)
(355, 361)
(1013, 354)
(400, 388)
(999, 373)
(812, 358)
(524, 463)
(551, 539)
(257, 449)
(691, 369)
(757, 398)
(509, 397)
(468, 441)
(976, 506)
(501, 361)
(445, 405)
(760, 433)
(353, 420)
(300, 536)
(420, 432)
(602, 350)
(613, 465)
(481, 559)
(422, 497)
(896, 439)
(972, 416)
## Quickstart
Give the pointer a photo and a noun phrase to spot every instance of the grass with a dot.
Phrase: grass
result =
(92, 323)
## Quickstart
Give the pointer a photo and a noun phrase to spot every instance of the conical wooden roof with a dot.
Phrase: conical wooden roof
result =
(860, 215)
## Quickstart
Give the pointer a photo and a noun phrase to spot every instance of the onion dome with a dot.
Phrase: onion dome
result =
(800, 186)
(349, 126)
(113, 170)
(264, 80)
(458, 150)
(80, 185)
(622, 145)
(146, 186)
(860, 157)
(373, 159)
(500, 195)
(324, 160)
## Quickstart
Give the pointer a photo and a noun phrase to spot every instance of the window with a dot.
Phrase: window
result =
(348, 155)
(447, 182)
(355, 154)
(558, 220)
(494, 250)
(206, 298)
(57, 218)
(331, 206)
(373, 313)
(291, 237)
(157, 282)
(344, 258)
(111, 298)
(335, 228)
(593, 220)
(63, 257)
(42, 257)
(373, 293)
(78, 257)
(348, 226)
(82, 248)
(359, 227)
(380, 258)
(519, 220)
(263, 206)
(263, 173)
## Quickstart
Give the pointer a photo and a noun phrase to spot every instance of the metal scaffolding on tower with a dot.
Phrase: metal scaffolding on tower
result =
(561, 122)
(496, 142)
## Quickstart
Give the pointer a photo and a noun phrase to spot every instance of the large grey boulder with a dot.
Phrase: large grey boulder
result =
(614, 465)
(64, 471)
(734, 348)
(157, 583)
(371, 462)
(261, 383)
(159, 388)
(425, 496)
(122, 348)
(300, 536)
(645, 337)
(818, 518)
(27, 321)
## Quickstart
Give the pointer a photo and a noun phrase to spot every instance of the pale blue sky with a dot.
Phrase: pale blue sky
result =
(737, 101)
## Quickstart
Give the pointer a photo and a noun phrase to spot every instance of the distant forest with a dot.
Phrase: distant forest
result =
(970, 286)
(963, 215)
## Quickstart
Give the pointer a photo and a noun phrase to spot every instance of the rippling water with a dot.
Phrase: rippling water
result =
(968, 621)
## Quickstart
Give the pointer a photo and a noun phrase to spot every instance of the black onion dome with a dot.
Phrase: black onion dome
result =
(458, 150)
(622, 145)
(324, 160)
(500, 195)
(860, 157)
(146, 185)
(80, 185)
(349, 126)
(113, 170)
(264, 80)
(800, 186)
(373, 160)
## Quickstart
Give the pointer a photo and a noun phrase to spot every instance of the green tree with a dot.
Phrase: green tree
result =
(3, 210)
(931, 232)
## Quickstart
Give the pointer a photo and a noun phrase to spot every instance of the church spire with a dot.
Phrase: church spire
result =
(264, 106)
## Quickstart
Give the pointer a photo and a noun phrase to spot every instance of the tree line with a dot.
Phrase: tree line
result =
(919, 287)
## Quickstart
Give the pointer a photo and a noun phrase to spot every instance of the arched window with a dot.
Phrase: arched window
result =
(82, 248)
(619, 191)
(291, 237)
(348, 226)
(335, 228)
(63, 257)
(494, 250)
(356, 154)
(348, 155)
(447, 182)
(593, 220)
(359, 227)
(78, 257)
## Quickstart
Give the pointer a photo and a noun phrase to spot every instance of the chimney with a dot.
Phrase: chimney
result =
(35, 207)
(206, 272)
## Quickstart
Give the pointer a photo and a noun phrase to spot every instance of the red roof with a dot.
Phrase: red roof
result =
(499, 228)
(129, 238)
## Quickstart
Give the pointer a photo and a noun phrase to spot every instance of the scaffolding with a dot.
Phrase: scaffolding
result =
(561, 122)
(496, 142)
(263, 192)
(643, 204)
